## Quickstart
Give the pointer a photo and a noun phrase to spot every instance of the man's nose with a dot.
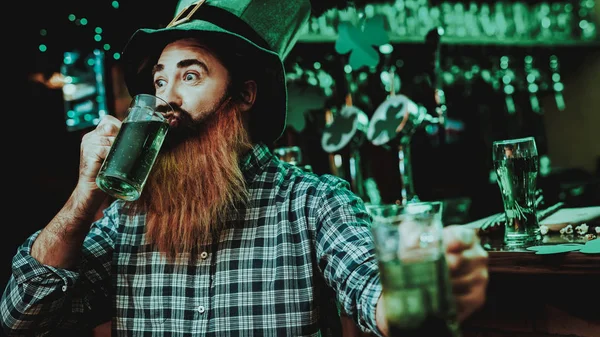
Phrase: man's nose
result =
(170, 94)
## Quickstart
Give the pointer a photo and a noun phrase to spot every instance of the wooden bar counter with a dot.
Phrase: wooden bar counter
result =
(533, 295)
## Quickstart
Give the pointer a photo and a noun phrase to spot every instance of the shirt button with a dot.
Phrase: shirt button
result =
(64, 288)
(201, 309)
(203, 255)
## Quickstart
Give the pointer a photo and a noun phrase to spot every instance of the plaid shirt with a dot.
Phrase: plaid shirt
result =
(301, 240)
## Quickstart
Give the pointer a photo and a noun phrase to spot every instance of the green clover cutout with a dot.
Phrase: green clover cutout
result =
(360, 43)
(301, 100)
(590, 247)
(556, 249)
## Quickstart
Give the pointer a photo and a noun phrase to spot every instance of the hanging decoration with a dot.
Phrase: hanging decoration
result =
(308, 90)
(360, 43)
(347, 126)
(343, 136)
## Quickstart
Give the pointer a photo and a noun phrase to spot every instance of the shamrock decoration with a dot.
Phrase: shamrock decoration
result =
(340, 129)
(590, 247)
(302, 99)
(360, 43)
(343, 129)
(396, 116)
(390, 123)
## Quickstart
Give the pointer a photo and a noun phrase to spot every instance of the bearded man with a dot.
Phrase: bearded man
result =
(226, 239)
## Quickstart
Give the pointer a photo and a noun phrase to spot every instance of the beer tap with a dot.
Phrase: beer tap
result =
(392, 126)
(438, 106)
(508, 77)
(557, 85)
(533, 78)
(397, 119)
(344, 133)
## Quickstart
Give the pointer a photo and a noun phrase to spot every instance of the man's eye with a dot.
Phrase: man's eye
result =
(191, 76)
(159, 83)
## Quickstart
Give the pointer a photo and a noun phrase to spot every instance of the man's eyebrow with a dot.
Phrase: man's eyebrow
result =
(181, 64)
(157, 68)
(189, 62)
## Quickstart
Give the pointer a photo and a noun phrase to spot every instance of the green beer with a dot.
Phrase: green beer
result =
(415, 279)
(517, 179)
(516, 165)
(126, 168)
(418, 298)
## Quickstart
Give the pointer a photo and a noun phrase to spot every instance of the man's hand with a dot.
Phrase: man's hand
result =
(468, 264)
(95, 146)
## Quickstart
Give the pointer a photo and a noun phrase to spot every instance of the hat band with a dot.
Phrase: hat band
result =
(228, 21)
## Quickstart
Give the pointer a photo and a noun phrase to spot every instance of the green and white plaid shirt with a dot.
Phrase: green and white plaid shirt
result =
(301, 240)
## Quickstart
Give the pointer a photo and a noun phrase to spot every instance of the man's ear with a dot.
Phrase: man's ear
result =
(248, 95)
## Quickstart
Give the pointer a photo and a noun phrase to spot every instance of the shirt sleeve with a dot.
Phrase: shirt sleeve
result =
(41, 300)
(346, 253)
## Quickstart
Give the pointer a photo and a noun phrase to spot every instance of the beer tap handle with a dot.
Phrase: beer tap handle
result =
(433, 42)
(557, 84)
(533, 77)
(508, 77)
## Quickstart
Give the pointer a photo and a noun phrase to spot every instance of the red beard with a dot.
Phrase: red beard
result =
(195, 183)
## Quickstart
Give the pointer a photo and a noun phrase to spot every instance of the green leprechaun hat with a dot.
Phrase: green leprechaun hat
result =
(259, 33)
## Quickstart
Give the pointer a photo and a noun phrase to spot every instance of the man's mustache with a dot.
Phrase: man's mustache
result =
(175, 111)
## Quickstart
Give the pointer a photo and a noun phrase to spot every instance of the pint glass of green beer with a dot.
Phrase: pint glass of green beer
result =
(417, 293)
(133, 153)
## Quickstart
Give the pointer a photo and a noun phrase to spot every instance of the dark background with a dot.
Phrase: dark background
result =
(42, 157)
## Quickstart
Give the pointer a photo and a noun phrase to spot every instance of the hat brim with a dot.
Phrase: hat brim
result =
(269, 114)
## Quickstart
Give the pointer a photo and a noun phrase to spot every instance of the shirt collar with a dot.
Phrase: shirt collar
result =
(255, 160)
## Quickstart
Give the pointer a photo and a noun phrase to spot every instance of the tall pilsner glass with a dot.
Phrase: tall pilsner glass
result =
(516, 163)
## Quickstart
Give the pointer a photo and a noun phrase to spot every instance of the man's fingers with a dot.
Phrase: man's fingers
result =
(470, 259)
(468, 303)
(457, 238)
(462, 285)
(108, 126)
